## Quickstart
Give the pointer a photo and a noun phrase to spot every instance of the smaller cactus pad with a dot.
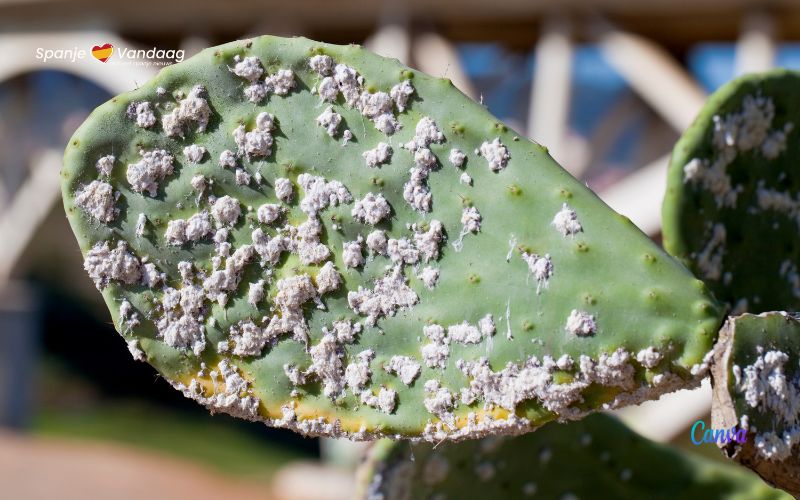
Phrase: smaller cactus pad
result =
(732, 208)
(322, 239)
(756, 382)
(598, 457)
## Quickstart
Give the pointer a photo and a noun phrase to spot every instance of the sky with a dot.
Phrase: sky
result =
(504, 79)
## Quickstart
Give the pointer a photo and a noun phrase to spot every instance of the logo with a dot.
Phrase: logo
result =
(123, 56)
(103, 52)
(719, 436)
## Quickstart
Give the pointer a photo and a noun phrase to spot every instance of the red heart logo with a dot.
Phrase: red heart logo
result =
(103, 52)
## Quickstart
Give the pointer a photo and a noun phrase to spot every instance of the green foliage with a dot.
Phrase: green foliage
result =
(598, 457)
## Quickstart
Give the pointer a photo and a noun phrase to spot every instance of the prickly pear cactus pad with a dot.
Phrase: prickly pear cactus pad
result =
(598, 457)
(319, 238)
(732, 208)
(756, 383)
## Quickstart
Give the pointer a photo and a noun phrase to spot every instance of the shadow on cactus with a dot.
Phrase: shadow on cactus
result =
(322, 239)
(598, 457)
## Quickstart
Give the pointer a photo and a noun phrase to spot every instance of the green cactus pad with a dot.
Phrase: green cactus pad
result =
(598, 457)
(732, 208)
(321, 239)
(756, 383)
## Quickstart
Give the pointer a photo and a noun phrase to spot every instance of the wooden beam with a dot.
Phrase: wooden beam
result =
(611, 126)
(673, 23)
(755, 49)
(391, 40)
(29, 207)
(654, 74)
(638, 196)
(436, 56)
(551, 88)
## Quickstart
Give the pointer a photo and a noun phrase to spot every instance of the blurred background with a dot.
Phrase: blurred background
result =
(607, 85)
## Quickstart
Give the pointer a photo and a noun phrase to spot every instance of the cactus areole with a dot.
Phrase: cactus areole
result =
(283, 229)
